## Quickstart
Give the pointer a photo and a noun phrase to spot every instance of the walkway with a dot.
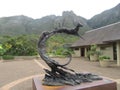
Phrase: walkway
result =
(17, 75)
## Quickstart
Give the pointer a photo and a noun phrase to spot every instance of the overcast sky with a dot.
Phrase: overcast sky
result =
(40, 8)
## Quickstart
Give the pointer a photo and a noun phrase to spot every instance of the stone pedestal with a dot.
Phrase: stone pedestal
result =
(104, 84)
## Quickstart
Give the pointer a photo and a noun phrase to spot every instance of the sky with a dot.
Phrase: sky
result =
(40, 8)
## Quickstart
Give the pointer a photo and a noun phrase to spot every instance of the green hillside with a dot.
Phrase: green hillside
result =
(19, 34)
(105, 18)
(17, 25)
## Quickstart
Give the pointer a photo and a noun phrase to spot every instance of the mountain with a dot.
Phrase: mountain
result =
(105, 18)
(17, 25)
(14, 25)
(51, 22)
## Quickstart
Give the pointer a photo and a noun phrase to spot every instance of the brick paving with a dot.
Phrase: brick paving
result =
(17, 75)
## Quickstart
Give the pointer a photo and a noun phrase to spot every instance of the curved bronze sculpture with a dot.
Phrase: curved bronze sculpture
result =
(59, 74)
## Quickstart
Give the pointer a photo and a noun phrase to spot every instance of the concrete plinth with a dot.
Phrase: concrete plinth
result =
(104, 84)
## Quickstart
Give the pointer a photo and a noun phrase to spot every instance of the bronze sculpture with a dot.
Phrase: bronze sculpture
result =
(59, 74)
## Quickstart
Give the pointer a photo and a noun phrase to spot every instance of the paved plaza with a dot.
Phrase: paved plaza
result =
(18, 74)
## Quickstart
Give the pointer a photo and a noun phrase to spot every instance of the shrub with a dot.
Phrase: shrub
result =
(2, 50)
(8, 57)
(104, 58)
(20, 46)
(92, 51)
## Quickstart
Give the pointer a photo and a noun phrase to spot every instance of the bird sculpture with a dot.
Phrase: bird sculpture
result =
(60, 74)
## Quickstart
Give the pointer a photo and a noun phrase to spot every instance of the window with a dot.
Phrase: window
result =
(76, 48)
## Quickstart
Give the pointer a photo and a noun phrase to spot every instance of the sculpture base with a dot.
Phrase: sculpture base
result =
(104, 84)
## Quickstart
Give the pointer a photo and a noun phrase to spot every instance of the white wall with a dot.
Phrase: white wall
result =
(107, 50)
(77, 53)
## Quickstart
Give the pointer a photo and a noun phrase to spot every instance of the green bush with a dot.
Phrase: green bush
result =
(104, 58)
(8, 57)
(2, 50)
(93, 51)
(20, 46)
(0, 57)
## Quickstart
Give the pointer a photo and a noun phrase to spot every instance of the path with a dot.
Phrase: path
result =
(17, 75)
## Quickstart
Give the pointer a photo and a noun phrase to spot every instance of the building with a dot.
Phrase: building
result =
(107, 39)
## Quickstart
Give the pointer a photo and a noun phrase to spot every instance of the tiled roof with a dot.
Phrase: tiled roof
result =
(100, 36)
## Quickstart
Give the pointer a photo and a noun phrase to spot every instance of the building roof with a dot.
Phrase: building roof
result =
(100, 35)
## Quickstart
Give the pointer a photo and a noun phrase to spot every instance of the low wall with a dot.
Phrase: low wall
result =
(27, 57)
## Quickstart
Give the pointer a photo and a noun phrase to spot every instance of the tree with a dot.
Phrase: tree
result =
(2, 50)
(20, 46)
(58, 44)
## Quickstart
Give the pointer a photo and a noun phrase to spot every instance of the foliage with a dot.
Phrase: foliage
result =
(26, 45)
(7, 57)
(2, 50)
(59, 44)
(93, 47)
(20, 46)
(104, 58)
(92, 50)
(62, 51)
